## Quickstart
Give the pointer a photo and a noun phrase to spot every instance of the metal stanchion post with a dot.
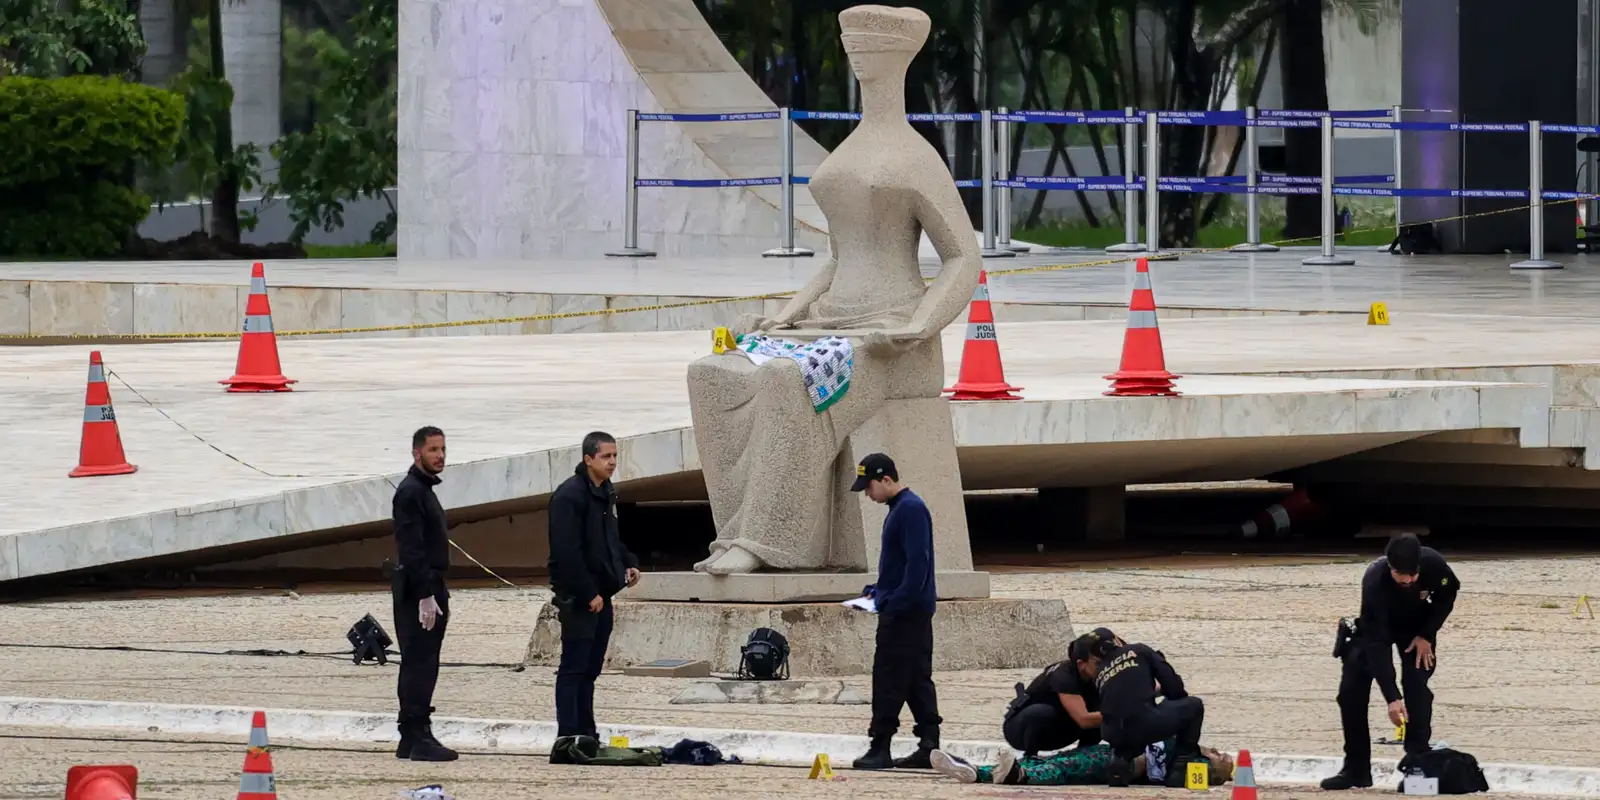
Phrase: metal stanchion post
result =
(630, 211)
(1252, 236)
(1152, 187)
(1003, 200)
(1399, 179)
(1327, 258)
(1536, 259)
(1130, 195)
(986, 162)
(787, 249)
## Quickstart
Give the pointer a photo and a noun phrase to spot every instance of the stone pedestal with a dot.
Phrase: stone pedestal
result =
(825, 639)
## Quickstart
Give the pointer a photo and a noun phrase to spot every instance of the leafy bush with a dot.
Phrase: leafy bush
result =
(66, 167)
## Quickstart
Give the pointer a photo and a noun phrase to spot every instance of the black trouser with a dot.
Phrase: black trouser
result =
(1180, 719)
(1355, 695)
(419, 655)
(584, 638)
(1042, 727)
(902, 673)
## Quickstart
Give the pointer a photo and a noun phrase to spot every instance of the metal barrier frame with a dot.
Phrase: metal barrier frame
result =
(996, 207)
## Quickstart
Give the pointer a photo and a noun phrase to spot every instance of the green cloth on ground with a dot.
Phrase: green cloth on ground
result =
(588, 751)
(1079, 766)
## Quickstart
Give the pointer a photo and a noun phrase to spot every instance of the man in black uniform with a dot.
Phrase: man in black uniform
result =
(421, 601)
(1405, 598)
(588, 565)
(1126, 678)
(1060, 707)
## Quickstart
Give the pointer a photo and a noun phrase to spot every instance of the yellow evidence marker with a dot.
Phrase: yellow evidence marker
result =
(820, 769)
(1583, 604)
(722, 341)
(619, 741)
(1198, 778)
(1400, 733)
(1378, 314)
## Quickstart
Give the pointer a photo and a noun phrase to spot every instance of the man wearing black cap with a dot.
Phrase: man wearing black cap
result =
(902, 665)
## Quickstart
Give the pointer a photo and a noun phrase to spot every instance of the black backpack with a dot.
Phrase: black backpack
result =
(1458, 772)
(765, 656)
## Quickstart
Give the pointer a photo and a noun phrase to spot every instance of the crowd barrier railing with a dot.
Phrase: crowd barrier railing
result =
(997, 181)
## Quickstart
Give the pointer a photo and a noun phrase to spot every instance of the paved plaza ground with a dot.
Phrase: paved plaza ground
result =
(1517, 681)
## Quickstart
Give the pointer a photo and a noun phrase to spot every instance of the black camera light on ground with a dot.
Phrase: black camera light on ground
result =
(369, 640)
(764, 657)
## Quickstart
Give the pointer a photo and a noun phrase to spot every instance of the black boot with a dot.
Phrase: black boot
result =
(877, 756)
(1348, 779)
(407, 740)
(926, 744)
(1178, 765)
(427, 748)
(1119, 771)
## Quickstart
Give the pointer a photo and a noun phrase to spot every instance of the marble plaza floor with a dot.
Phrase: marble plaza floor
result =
(128, 298)
(219, 469)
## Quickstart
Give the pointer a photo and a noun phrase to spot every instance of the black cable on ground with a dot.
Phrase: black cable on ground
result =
(125, 648)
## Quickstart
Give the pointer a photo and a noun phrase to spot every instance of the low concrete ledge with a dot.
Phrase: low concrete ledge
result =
(767, 748)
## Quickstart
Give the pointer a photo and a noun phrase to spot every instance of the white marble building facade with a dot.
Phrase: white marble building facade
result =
(513, 139)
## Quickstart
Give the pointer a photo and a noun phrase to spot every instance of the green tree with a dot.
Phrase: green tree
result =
(49, 39)
(352, 149)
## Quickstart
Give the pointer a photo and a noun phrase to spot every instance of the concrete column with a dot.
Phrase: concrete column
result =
(252, 48)
(1094, 515)
(162, 60)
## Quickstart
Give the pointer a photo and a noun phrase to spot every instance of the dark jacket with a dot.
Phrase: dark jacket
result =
(1393, 615)
(1127, 682)
(905, 563)
(586, 553)
(421, 535)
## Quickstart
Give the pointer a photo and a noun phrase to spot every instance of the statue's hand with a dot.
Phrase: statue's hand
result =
(751, 323)
(890, 341)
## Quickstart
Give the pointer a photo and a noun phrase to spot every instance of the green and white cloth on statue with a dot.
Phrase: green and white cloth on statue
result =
(826, 363)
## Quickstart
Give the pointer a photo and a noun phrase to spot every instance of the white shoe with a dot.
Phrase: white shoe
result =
(952, 767)
(1003, 768)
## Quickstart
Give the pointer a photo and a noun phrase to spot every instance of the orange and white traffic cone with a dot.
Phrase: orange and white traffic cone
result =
(1244, 778)
(103, 783)
(982, 377)
(1278, 518)
(100, 450)
(256, 781)
(258, 369)
(1144, 367)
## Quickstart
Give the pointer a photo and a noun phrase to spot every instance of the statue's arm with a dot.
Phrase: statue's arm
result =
(944, 218)
(809, 294)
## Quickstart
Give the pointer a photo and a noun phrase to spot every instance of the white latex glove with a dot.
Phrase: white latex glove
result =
(428, 612)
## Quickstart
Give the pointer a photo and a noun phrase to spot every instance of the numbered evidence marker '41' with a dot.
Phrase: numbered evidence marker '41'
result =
(1378, 314)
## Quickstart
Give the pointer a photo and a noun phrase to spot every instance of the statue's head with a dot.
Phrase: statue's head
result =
(881, 40)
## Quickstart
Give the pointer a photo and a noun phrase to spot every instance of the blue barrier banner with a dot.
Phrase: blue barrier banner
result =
(1337, 113)
(1068, 117)
(1286, 123)
(1565, 195)
(969, 183)
(1316, 180)
(708, 183)
(1200, 117)
(1469, 127)
(945, 117)
(744, 117)
(797, 114)
(1361, 191)
(1581, 130)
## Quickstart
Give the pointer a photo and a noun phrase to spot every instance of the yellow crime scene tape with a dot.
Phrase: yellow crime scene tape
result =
(415, 326)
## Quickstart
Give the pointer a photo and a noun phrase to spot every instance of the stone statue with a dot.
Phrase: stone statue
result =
(767, 443)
